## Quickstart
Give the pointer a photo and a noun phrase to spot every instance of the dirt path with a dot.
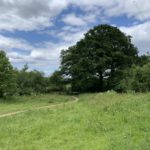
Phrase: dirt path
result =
(38, 108)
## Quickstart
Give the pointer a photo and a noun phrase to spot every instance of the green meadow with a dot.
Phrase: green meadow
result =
(99, 121)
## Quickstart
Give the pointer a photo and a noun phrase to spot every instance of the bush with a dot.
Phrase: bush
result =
(136, 79)
(31, 82)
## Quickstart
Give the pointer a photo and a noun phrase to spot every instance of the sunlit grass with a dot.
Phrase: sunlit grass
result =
(102, 121)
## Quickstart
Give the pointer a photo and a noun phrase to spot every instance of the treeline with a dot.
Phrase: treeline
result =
(34, 82)
(105, 59)
(25, 82)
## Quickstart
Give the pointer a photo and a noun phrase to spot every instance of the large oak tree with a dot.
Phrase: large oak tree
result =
(95, 63)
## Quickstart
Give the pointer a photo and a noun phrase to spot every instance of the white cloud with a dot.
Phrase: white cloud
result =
(71, 37)
(141, 36)
(31, 54)
(83, 20)
(73, 20)
(7, 43)
(28, 15)
(138, 9)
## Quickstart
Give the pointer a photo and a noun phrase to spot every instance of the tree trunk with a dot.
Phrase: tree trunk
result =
(101, 81)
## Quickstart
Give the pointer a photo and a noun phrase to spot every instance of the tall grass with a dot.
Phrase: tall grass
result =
(102, 121)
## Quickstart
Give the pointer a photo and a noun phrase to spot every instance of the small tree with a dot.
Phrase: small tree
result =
(31, 81)
(7, 76)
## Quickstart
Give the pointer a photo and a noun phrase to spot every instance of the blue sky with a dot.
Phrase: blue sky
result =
(35, 31)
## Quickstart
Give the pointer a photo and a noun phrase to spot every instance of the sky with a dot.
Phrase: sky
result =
(35, 31)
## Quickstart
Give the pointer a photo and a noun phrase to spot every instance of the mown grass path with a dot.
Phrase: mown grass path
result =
(41, 107)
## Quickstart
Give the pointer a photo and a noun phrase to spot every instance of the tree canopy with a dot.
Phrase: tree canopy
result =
(96, 62)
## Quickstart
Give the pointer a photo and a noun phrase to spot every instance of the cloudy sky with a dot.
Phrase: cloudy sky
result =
(35, 31)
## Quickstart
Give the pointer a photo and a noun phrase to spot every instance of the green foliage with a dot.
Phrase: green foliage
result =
(136, 79)
(96, 62)
(7, 76)
(142, 79)
(142, 60)
(56, 82)
(31, 82)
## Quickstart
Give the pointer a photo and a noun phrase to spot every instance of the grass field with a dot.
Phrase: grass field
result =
(101, 121)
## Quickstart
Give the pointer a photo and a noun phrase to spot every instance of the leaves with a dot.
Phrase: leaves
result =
(7, 76)
(103, 48)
